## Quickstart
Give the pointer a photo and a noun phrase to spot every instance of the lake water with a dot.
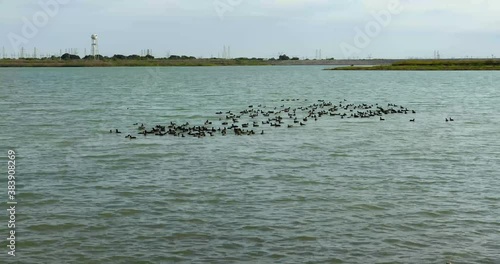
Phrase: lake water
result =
(333, 191)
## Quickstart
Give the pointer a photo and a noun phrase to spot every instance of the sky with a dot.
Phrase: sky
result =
(255, 28)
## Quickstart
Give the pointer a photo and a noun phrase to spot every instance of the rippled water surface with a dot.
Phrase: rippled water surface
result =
(333, 191)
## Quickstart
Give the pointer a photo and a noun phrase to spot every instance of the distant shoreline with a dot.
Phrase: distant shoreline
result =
(35, 63)
(431, 65)
(355, 65)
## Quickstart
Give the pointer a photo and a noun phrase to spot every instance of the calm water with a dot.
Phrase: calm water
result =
(334, 191)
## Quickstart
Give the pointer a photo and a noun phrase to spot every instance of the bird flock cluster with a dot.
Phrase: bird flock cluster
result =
(255, 119)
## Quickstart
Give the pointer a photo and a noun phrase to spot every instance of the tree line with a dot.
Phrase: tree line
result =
(68, 56)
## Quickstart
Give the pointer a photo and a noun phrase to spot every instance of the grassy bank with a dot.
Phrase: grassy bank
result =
(431, 65)
(164, 62)
(126, 63)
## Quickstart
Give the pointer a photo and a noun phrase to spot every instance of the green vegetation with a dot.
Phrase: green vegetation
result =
(283, 57)
(69, 60)
(431, 65)
(119, 60)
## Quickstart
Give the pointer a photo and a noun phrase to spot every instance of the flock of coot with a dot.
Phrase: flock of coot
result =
(255, 119)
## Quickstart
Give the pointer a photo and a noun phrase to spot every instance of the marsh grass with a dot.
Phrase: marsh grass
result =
(432, 65)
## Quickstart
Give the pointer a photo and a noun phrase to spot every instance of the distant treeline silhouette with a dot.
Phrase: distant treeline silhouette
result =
(135, 57)
(68, 56)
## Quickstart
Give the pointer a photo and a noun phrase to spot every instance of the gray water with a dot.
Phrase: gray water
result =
(333, 191)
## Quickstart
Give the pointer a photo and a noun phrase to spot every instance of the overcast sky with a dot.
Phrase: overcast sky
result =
(257, 28)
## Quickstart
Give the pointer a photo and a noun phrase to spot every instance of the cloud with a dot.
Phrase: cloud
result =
(12, 10)
(292, 4)
(298, 26)
(450, 16)
(144, 8)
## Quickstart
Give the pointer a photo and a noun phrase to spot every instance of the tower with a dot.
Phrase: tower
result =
(94, 50)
